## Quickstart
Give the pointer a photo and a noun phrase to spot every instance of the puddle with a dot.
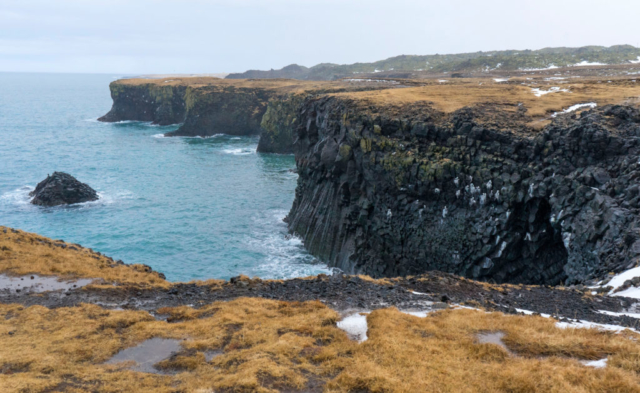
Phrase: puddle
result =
(35, 283)
(147, 353)
(492, 338)
(209, 355)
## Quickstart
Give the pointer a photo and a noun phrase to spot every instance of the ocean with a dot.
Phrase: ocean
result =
(191, 208)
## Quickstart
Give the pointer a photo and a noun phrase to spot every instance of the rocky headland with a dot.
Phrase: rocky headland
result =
(108, 326)
(62, 189)
(525, 179)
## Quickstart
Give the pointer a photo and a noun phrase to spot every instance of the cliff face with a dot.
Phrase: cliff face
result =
(400, 191)
(279, 124)
(162, 105)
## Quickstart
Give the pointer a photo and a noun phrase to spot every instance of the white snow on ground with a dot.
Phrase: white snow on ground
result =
(500, 79)
(442, 80)
(582, 324)
(539, 93)
(419, 314)
(551, 67)
(631, 292)
(417, 293)
(635, 61)
(555, 78)
(592, 325)
(356, 326)
(619, 279)
(575, 108)
(586, 63)
(602, 363)
(620, 314)
(372, 80)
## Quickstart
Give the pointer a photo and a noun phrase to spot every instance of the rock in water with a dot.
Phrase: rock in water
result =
(62, 189)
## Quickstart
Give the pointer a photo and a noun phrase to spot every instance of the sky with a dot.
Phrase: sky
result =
(211, 36)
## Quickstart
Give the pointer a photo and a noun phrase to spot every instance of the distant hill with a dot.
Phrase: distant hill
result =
(463, 62)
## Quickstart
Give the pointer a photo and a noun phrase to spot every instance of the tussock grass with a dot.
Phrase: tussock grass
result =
(454, 95)
(269, 346)
(23, 253)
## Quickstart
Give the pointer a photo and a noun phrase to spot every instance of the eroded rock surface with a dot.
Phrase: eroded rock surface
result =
(391, 191)
(62, 189)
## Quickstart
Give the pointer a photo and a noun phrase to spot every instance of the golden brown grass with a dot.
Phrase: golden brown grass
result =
(24, 253)
(454, 95)
(283, 85)
(269, 346)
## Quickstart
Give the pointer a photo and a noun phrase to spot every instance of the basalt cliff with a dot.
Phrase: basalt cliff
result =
(523, 182)
(209, 106)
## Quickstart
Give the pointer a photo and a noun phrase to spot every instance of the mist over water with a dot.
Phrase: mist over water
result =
(192, 208)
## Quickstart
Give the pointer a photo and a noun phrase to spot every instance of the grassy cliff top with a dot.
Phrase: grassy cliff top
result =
(23, 253)
(541, 97)
(284, 85)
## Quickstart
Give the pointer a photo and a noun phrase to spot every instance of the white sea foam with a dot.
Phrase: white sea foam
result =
(20, 198)
(243, 151)
(284, 255)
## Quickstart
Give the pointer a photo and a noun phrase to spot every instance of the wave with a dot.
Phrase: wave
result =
(243, 151)
(21, 199)
(285, 255)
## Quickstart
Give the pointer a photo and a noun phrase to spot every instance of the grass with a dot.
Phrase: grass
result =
(269, 346)
(456, 94)
(23, 253)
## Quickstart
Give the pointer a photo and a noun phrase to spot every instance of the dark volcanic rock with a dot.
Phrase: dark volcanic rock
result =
(399, 191)
(62, 189)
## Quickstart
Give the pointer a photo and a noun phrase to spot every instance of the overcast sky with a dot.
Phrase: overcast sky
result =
(207, 36)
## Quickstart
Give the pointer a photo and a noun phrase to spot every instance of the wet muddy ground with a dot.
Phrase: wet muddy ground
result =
(341, 292)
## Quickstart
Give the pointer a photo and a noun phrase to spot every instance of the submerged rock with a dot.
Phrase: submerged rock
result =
(62, 189)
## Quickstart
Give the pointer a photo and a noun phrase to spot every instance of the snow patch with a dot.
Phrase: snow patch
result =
(574, 108)
(356, 326)
(500, 79)
(602, 363)
(619, 279)
(539, 92)
(586, 63)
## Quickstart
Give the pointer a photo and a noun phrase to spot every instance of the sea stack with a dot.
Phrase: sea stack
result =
(62, 189)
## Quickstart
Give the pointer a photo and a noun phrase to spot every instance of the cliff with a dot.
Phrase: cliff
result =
(470, 183)
(123, 327)
(209, 106)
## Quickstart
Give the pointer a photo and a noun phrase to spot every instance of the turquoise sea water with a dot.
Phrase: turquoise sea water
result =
(191, 208)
